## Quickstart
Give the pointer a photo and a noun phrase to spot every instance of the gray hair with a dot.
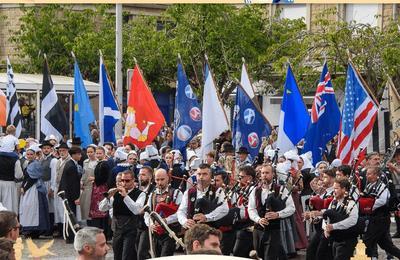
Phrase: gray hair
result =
(86, 236)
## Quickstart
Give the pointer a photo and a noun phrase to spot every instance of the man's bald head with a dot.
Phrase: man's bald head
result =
(161, 178)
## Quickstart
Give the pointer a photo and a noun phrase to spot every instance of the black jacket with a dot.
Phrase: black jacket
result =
(71, 182)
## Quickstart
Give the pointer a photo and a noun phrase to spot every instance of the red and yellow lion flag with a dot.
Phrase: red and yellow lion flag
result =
(3, 109)
(144, 119)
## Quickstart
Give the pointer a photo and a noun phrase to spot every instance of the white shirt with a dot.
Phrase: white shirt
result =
(383, 197)
(214, 215)
(8, 143)
(53, 179)
(18, 173)
(134, 206)
(284, 213)
(176, 196)
(348, 222)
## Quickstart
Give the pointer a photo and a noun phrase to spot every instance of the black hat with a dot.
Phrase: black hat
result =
(242, 150)
(76, 141)
(63, 145)
(46, 143)
(227, 148)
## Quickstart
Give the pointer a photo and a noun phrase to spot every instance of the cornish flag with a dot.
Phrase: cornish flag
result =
(13, 111)
(109, 113)
(52, 116)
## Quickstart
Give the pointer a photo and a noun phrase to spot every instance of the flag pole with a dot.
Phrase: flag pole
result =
(195, 73)
(73, 55)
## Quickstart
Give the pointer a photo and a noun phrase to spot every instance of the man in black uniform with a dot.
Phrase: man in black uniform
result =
(70, 183)
(340, 220)
(379, 220)
(127, 202)
(244, 235)
(165, 201)
(147, 187)
(266, 209)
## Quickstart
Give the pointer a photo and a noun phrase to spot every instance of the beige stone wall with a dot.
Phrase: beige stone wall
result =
(316, 10)
(387, 14)
(8, 25)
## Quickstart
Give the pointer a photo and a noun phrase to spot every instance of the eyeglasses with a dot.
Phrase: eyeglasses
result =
(125, 180)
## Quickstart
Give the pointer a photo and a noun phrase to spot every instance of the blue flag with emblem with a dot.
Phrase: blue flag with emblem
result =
(83, 114)
(249, 123)
(109, 113)
(325, 118)
(187, 118)
(294, 117)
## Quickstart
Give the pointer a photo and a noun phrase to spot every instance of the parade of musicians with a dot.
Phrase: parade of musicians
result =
(121, 178)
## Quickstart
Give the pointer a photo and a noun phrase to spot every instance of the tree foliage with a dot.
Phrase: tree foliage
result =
(59, 29)
(226, 33)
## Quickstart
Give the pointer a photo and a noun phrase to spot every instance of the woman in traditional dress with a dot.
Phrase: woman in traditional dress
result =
(299, 228)
(34, 209)
(101, 175)
(87, 181)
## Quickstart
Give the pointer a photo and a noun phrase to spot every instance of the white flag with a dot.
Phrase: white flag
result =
(246, 84)
(214, 121)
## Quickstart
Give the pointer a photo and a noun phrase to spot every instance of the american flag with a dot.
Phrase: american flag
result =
(358, 117)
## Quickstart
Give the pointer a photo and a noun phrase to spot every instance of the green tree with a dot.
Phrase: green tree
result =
(59, 29)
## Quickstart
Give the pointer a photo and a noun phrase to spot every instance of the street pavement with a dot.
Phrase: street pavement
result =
(61, 250)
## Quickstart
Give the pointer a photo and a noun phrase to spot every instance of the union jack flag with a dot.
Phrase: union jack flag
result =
(325, 118)
(319, 104)
(358, 117)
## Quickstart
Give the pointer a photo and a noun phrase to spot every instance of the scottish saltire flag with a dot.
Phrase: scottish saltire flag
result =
(214, 121)
(358, 118)
(187, 118)
(325, 118)
(294, 117)
(109, 113)
(249, 124)
(83, 114)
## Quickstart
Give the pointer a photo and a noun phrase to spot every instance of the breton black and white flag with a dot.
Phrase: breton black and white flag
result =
(52, 115)
(13, 110)
(380, 140)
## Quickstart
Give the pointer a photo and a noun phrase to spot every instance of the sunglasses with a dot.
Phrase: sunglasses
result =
(125, 180)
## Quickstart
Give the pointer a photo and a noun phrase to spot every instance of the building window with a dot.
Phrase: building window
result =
(294, 11)
(362, 13)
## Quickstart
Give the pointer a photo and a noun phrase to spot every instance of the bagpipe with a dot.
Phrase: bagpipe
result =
(69, 216)
(366, 200)
(274, 201)
(318, 203)
(164, 209)
(337, 213)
